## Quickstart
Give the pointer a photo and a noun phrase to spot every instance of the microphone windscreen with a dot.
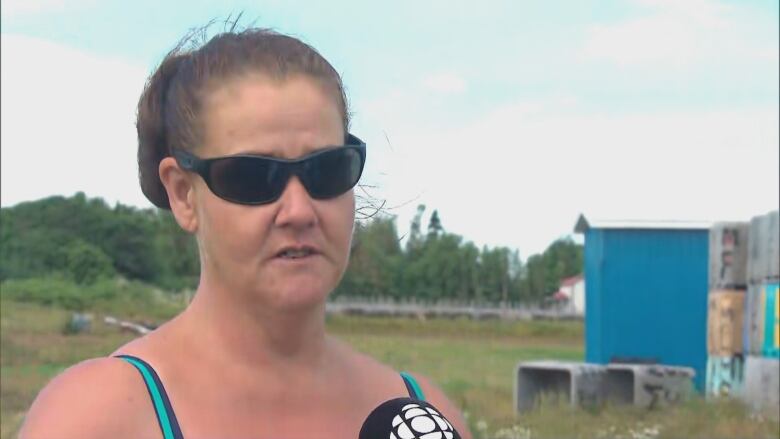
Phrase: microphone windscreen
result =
(407, 418)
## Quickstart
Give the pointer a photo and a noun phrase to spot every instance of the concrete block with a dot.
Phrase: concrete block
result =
(648, 385)
(575, 384)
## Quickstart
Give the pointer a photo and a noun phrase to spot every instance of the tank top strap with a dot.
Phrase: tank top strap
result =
(412, 387)
(162, 405)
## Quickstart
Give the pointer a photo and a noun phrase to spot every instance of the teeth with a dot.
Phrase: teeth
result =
(295, 253)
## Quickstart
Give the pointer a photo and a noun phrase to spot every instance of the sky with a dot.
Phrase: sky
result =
(511, 118)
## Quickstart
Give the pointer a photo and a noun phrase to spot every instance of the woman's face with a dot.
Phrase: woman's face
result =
(242, 245)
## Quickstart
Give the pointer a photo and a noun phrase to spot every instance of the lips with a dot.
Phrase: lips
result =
(296, 252)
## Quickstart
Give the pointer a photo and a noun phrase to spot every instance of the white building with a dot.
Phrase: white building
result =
(571, 295)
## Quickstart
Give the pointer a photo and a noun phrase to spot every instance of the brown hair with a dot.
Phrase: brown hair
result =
(170, 106)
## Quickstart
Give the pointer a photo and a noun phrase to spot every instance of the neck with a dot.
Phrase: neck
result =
(238, 328)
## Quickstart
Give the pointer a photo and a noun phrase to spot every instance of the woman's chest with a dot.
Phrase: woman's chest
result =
(249, 403)
(340, 418)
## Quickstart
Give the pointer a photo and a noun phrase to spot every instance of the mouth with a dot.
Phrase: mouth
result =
(294, 253)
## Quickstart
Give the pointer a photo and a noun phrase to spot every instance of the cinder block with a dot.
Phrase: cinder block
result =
(575, 384)
(648, 385)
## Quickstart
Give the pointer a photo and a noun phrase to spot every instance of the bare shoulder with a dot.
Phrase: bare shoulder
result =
(438, 399)
(97, 398)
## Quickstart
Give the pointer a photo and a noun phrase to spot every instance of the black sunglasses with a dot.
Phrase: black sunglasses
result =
(256, 179)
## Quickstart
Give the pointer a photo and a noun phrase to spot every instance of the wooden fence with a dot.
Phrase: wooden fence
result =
(446, 309)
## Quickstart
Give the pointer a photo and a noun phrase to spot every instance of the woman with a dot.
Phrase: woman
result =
(245, 139)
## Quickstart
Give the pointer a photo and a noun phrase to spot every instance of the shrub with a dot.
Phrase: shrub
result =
(116, 296)
(87, 263)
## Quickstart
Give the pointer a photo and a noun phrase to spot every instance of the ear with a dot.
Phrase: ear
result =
(181, 193)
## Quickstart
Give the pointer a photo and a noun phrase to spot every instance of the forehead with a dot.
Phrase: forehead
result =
(259, 115)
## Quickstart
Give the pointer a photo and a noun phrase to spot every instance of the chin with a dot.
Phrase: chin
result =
(301, 294)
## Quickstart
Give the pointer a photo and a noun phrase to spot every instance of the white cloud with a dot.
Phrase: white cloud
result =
(12, 8)
(445, 83)
(520, 174)
(678, 35)
(68, 122)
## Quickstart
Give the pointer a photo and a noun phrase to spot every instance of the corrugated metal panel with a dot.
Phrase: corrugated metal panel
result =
(646, 296)
(594, 250)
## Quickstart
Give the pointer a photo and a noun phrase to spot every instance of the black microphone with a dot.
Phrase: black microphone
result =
(407, 418)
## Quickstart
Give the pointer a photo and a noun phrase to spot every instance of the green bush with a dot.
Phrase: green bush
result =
(50, 291)
(87, 263)
(179, 283)
(116, 296)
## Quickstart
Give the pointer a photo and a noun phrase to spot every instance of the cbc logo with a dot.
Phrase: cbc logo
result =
(418, 422)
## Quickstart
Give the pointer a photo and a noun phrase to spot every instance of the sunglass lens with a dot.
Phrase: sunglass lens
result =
(247, 180)
(332, 173)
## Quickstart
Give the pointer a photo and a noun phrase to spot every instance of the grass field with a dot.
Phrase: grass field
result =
(472, 361)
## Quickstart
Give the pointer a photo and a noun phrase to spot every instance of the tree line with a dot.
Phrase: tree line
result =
(85, 240)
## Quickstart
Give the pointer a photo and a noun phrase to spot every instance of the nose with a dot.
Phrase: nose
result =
(296, 207)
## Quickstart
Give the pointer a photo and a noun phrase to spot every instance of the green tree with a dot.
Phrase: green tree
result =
(375, 260)
(515, 276)
(543, 272)
(433, 274)
(562, 259)
(494, 273)
(178, 254)
(86, 239)
(434, 225)
(469, 286)
(87, 263)
(415, 235)
(35, 235)
(534, 282)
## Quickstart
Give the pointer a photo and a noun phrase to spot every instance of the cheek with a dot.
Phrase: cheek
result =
(232, 231)
(342, 221)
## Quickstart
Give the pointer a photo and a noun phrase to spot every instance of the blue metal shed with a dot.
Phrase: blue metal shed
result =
(646, 292)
